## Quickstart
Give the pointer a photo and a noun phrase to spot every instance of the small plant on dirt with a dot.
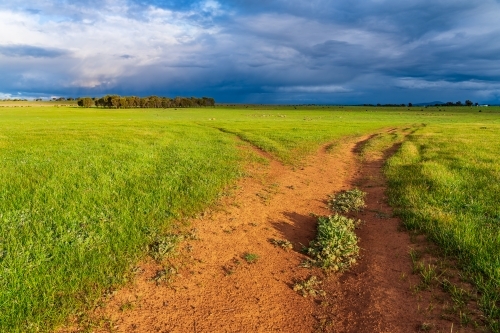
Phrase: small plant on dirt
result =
(465, 318)
(459, 296)
(128, 305)
(308, 262)
(428, 275)
(164, 275)
(283, 243)
(192, 234)
(425, 327)
(347, 201)
(230, 230)
(336, 244)
(250, 257)
(230, 268)
(163, 246)
(309, 287)
(415, 256)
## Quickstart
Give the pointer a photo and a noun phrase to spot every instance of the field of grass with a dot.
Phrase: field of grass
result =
(83, 192)
(82, 195)
(445, 181)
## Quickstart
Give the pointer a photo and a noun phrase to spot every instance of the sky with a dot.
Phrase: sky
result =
(253, 51)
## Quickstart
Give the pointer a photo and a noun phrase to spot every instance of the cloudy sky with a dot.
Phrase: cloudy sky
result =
(258, 51)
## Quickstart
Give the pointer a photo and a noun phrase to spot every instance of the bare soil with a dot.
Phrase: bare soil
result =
(217, 290)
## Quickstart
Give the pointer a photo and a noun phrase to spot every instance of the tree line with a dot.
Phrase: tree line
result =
(151, 102)
(386, 105)
(459, 103)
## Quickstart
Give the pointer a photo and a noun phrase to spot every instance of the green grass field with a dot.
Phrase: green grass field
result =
(445, 181)
(83, 192)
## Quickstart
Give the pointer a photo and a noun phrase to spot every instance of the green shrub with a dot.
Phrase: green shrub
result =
(336, 244)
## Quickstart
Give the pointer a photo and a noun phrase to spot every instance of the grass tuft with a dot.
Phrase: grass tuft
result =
(251, 258)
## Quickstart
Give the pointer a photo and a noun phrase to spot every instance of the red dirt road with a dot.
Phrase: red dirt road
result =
(216, 290)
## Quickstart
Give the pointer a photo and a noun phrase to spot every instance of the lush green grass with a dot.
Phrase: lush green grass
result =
(81, 196)
(83, 192)
(445, 181)
(290, 133)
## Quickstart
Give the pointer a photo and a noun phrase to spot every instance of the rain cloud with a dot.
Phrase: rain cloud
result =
(314, 51)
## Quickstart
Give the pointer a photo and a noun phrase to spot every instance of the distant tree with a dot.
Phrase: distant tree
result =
(88, 102)
(144, 102)
(458, 103)
(115, 101)
(468, 102)
(85, 102)
(111, 101)
(127, 102)
(410, 105)
(208, 101)
(166, 102)
(177, 102)
(123, 103)
(135, 101)
(186, 102)
(100, 102)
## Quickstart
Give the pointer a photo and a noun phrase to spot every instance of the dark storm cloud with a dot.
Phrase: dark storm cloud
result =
(259, 51)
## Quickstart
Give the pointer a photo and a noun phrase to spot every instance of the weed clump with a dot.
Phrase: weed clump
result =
(163, 246)
(309, 287)
(283, 243)
(347, 201)
(336, 245)
(165, 275)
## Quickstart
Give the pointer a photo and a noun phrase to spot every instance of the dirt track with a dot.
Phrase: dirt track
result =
(216, 290)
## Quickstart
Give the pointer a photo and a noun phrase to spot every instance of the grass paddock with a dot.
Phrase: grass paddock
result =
(84, 191)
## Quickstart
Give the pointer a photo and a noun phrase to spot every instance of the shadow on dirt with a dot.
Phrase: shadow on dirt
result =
(298, 229)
